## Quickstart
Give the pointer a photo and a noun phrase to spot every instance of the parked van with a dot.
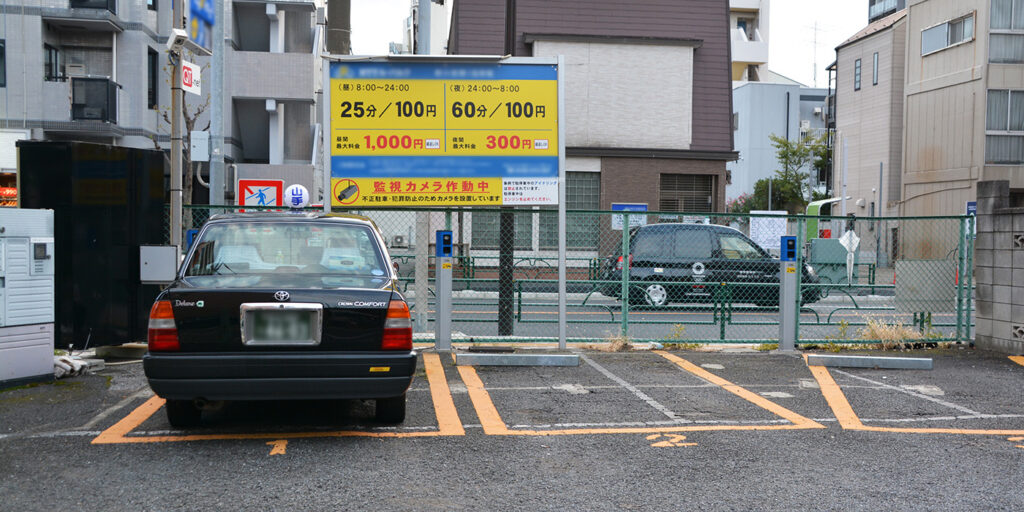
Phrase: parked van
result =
(687, 262)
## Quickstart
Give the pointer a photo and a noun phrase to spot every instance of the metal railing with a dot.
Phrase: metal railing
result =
(93, 99)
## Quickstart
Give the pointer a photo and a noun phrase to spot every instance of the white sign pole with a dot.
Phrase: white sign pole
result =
(561, 206)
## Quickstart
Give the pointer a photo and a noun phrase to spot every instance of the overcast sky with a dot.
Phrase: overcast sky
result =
(791, 40)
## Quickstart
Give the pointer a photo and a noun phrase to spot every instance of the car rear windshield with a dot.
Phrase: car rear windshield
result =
(311, 253)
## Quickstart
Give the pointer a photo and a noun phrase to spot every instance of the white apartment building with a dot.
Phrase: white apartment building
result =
(98, 71)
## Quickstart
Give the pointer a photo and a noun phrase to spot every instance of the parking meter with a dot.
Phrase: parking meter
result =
(443, 280)
(789, 305)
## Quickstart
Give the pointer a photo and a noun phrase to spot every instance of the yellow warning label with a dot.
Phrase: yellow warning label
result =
(791, 270)
(446, 266)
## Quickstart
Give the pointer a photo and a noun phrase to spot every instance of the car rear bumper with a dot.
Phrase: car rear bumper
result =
(273, 376)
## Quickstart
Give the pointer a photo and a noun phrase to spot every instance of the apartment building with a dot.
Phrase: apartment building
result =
(98, 71)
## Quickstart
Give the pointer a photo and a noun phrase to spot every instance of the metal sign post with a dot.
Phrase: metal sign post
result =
(788, 301)
(443, 285)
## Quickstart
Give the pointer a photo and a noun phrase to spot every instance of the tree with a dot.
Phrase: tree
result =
(791, 186)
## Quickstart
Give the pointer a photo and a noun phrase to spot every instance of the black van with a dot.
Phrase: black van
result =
(686, 262)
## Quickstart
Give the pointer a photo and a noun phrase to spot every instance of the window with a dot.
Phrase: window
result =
(874, 69)
(487, 229)
(737, 248)
(692, 244)
(856, 75)
(582, 192)
(153, 65)
(1004, 127)
(686, 193)
(53, 70)
(151, 5)
(3, 63)
(944, 35)
(1006, 39)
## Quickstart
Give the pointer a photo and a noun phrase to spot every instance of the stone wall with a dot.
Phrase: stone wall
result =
(999, 270)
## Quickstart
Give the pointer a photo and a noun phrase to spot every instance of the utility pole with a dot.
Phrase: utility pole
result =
(217, 184)
(506, 222)
(177, 22)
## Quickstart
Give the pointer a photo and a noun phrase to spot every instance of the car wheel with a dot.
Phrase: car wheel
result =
(391, 410)
(182, 413)
(656, 295)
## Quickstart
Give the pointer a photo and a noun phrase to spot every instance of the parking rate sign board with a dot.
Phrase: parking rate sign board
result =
(443, 133)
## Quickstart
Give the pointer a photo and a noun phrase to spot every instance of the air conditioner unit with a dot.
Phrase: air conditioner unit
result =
(805, 125)
(817, 111)
(74, 69)
(399, 241)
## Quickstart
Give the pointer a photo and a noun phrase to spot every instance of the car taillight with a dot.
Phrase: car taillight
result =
(397, 327)
(618, 262)
(163, 335)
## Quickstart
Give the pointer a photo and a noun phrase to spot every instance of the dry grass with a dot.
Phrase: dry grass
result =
(612, 344)
(890, 336)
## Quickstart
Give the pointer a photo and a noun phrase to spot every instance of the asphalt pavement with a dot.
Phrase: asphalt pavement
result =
(651, 430)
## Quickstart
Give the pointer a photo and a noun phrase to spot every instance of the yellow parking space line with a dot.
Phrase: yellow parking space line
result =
(836, 398)
(849, 421)
(741, 392)
(116, 433)
(1017, 359)
(482, 403)
(448, 420)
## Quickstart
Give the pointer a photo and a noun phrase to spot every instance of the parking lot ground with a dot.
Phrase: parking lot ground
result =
(236, 421)
(636, 393)
(954, 398)
(664, 393)
(656, 430)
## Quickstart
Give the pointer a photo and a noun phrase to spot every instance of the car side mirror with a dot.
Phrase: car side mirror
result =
(394, 265)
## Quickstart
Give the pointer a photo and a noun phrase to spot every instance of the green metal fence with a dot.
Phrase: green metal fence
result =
(693, 277)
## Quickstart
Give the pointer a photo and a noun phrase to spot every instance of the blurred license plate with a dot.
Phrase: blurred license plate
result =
(282, 327)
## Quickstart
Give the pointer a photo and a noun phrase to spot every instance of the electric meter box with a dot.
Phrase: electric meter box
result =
(26, 295)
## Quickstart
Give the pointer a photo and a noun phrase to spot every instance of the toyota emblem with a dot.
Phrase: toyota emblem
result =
(281, 295)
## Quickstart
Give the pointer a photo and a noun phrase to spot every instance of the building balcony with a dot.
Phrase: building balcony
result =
(747, 50)
(92, 15)
(93, 99)
(745, 5)
(109, 5)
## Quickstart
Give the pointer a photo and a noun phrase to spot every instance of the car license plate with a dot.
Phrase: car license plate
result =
(282, 327)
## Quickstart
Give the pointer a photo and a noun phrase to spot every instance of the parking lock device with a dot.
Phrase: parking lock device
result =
(443, 280)
(788, 304)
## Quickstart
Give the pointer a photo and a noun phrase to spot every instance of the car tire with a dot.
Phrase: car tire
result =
(182, 413)
(656, 295)
(390, 410)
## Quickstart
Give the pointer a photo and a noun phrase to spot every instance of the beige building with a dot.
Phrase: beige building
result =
(869, 117)
(962, 105)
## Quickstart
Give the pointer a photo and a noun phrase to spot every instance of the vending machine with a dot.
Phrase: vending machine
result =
(26, 296)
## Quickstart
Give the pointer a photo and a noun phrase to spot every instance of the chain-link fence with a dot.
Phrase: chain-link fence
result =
(687, 278)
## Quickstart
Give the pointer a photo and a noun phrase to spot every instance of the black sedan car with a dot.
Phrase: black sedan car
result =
(676, 262)
(280, 307)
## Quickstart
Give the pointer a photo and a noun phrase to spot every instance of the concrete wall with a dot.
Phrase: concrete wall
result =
(999, 270)
(626, 95)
